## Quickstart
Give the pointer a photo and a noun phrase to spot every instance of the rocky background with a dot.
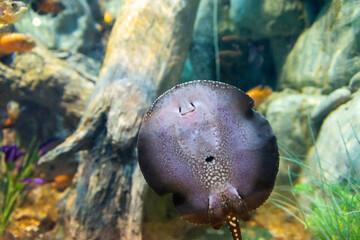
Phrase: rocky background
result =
(309, 55)
(306, 50)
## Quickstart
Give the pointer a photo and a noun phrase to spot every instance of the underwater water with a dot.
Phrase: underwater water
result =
(95, 145)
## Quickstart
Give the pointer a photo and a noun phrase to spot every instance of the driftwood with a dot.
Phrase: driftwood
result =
(145, 55)
(41, 78)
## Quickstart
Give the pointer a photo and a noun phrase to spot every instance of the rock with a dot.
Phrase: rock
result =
(52, 93)
(37, 214)
(355, 82)
(311, 10)
(280, 48)
(241, 62)
(327, 54)
(87, 66)
(287, 113)
(202, 50)
(224, 23)
(72, 29)
(338, 145)
(187, 73)
(258, 19)
(40, 77)
(331, 102)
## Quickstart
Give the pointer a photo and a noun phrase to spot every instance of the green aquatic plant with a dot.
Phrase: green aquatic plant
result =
(335, 215)
(16, 168)
(329, 210)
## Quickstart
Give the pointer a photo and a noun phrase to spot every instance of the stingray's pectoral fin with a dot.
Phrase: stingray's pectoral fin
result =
(216, 211)
(237, 205)
(226, 202)
(241, 210)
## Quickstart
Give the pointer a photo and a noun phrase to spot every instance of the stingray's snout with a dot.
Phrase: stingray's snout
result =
(186, 108)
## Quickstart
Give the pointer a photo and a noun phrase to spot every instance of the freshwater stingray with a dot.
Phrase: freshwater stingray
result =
(203, 142)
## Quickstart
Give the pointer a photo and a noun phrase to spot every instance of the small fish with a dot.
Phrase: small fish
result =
(12, 114)
(11, 11)
(108, 18)
(15, 42)
(61, 182)
(259, 94)
(47, 6)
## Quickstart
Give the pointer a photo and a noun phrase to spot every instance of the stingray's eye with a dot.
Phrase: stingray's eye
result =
(209, 159)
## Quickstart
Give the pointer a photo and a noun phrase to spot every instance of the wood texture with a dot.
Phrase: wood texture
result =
(145, 55)
(41, 78)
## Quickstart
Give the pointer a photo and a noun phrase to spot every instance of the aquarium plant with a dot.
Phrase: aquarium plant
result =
(16, 169)
(329, 210)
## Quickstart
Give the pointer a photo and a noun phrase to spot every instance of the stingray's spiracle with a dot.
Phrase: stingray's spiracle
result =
(234, 226)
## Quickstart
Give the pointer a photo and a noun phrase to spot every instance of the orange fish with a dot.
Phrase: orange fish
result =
(259, 94)
(12, 114)
(47, 6)
(108, 18)
(15, 42)
(61, 182)
(11, 11)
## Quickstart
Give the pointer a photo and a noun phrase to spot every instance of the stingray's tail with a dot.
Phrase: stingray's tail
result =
(234, 226)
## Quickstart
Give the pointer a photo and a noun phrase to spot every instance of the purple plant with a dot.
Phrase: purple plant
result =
(12, 153)
(37, 181)
(49, 145)
(16, 177)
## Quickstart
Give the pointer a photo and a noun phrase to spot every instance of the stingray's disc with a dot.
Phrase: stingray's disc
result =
(203, 142)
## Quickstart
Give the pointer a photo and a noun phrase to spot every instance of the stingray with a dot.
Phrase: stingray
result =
(203, 142)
